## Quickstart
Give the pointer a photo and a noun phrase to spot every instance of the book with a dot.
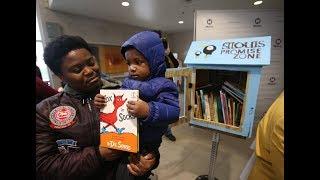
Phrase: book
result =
(207, 107)
(199, 106)
(239, 112)
(119, 129)
(215, 107)
(236, 90)
(234, 95)
(203, 105)
(211, 105)
(224, 107)
(219, 109)
(233, 112)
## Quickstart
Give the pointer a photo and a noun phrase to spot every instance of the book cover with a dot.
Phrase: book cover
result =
(239, 112)
(230, 111)
(199, 105)
(203, 105)
(215, 107)
(219, 108)
(224, 108)
(211, 105)
(236, 90)
(118, 129)
(207, 107)
(232, 94)
(233, 112)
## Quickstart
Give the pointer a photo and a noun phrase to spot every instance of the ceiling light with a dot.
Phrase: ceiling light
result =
(257, 2)
(180, 22)
(125, 3)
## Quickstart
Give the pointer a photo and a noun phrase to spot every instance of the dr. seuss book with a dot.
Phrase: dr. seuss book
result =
(118, 129)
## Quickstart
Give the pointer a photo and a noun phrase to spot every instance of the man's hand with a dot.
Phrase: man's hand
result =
(109, 154)
(139, 166)
(138, 108)
(99, 101)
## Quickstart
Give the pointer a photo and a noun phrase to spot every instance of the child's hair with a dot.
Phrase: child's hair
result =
(59, 48)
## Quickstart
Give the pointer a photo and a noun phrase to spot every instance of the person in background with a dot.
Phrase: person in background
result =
(43, 91)
(171, 62)
(38, 72)
(269, 150)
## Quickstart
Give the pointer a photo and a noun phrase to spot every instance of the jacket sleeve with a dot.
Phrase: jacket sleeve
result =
(165, 109)
(51, 163)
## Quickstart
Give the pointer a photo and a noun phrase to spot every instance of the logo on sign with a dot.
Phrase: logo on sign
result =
(257, 22)
(272, 81)
(277, 43)
(209, 23)
(208, 50)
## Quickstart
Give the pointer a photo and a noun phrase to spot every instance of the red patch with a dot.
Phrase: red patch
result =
(62, 117)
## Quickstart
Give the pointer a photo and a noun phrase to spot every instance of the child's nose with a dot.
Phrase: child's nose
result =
(132, 68)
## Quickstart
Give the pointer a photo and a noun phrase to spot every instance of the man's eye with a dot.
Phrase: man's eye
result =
(91, 62)
(76, 70)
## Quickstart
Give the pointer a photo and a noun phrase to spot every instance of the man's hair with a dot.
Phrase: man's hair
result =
(57, 49)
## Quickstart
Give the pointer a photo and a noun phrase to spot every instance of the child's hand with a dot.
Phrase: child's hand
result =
(138, 108)
(138, 166)
(99, 101)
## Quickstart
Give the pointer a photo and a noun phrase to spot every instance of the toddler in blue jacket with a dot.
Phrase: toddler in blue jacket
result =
(158, 104)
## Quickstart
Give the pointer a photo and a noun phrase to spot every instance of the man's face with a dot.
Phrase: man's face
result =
(137, 65)
(81, 71)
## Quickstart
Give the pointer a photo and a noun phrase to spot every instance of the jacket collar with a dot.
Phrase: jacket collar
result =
(106, 84)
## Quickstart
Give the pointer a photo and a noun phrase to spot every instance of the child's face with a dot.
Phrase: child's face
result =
(137, 65)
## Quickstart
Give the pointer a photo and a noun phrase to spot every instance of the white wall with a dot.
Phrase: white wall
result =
(92, 30)
(180, 43)
(244, 23)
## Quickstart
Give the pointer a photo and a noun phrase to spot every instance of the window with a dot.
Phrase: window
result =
(39, 51)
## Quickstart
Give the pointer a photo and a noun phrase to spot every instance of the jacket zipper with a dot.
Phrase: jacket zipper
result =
(92, 121)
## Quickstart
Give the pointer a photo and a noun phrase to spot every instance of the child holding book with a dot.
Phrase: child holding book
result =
(158, 104)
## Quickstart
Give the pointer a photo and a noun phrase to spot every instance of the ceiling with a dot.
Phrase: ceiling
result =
(154, 14)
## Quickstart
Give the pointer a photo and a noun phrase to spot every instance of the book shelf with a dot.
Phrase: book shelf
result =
(225, 82)
(217, 88)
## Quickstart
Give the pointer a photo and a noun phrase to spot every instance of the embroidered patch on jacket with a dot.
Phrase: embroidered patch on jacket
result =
(64, 145)
(62, 117)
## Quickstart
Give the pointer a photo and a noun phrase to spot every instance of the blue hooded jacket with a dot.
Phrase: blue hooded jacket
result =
(160, 93)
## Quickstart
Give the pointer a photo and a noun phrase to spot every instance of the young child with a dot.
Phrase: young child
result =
(158, 105)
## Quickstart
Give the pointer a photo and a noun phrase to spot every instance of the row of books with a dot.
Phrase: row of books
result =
(222, 103)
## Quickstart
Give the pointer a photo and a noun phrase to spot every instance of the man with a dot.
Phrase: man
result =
(67, 124)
